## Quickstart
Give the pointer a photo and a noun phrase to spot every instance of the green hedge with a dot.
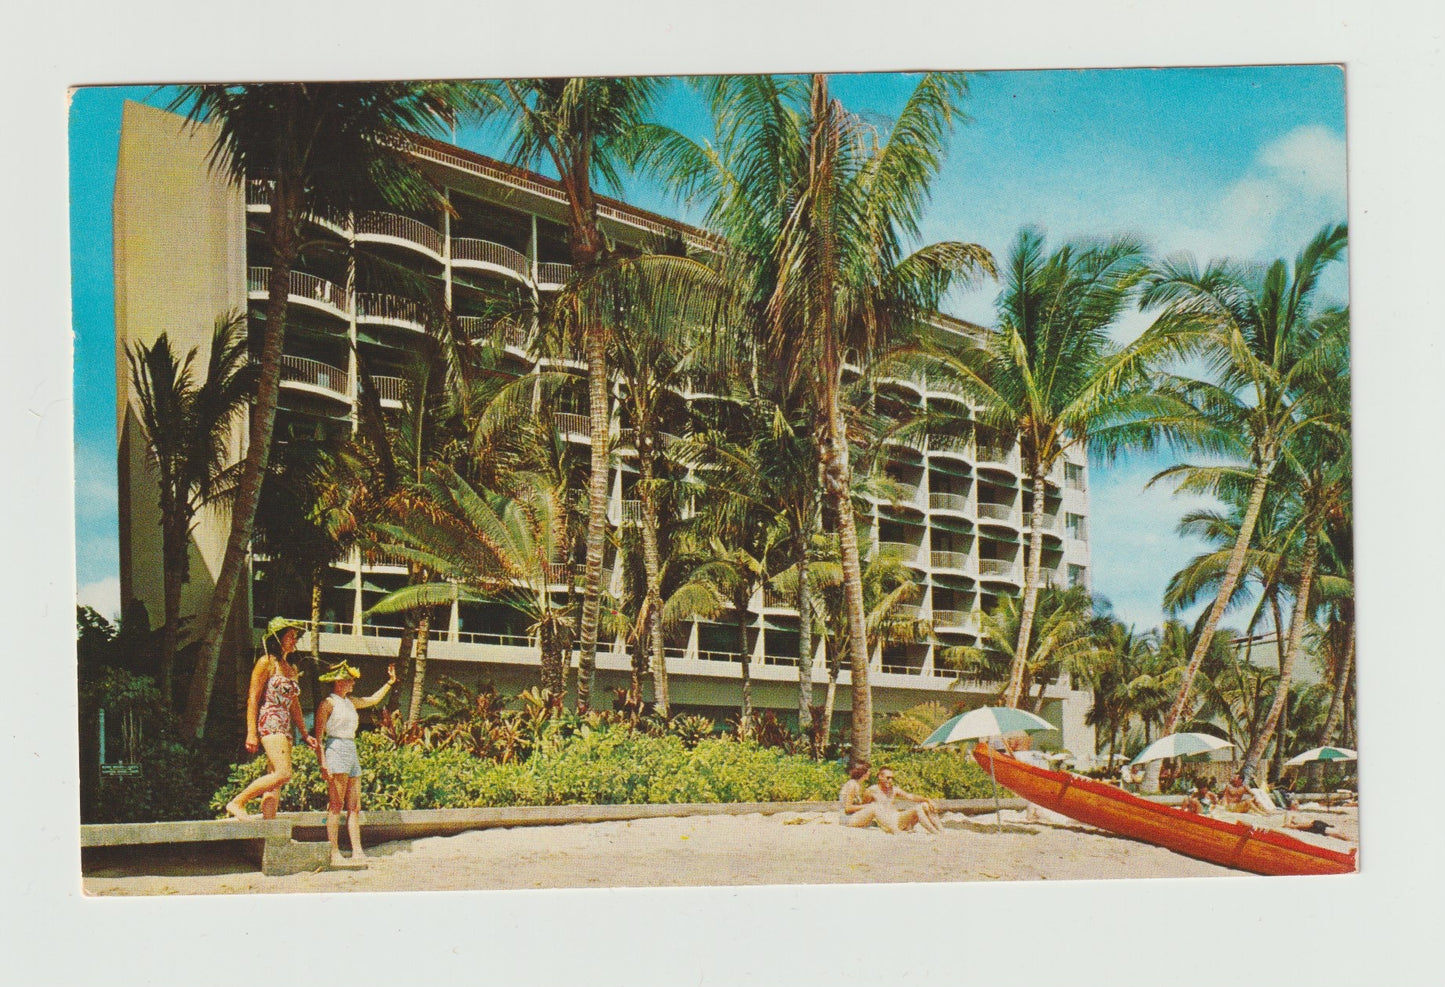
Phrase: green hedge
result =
(610, 766)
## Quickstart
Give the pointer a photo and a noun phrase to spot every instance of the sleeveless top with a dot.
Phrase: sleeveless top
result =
(342, 720)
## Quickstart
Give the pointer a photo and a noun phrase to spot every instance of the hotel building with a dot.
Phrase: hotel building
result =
(189, 247)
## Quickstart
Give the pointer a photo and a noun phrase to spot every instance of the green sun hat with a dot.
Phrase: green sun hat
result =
(279, 624)
(338, 671)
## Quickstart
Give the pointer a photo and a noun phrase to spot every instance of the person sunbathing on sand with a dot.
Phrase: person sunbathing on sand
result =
(1319, 827)
(1236, 797)
(885, 795)
(856, 812)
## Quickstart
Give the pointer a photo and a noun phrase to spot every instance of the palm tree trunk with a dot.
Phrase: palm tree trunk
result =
(286, 207)
(830, 697)
(315, 650)
(552, 663)
(1296, 635)
(1031, 587)
(805, 641)
(838, 486)
(596, 513)
(418, 682)
(745, 723)
(1342, 685)
(173, 551)
(652, 562)
(1226, 590)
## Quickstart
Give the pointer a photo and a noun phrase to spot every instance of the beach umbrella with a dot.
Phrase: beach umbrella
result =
(987, 721)
(1321, 754)
(1179, 745)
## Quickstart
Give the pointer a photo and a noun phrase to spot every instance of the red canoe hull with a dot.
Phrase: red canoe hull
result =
(1230, 844)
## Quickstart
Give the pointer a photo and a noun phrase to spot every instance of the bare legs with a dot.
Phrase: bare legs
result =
(344, 792)
(268, 786)
(886, 819)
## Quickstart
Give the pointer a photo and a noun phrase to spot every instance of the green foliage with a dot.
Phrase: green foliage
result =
(947, 773)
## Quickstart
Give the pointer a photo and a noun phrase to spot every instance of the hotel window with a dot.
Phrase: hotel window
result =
(1077, 525)
(1074, 476)
(1076, 575)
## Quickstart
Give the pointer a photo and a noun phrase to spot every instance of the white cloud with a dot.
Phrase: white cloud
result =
(1311, 159)
(103, 596)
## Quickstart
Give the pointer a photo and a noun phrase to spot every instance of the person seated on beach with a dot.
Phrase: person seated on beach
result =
(885, 795)
(858, 813)
(1201, 800)
(1167, 774)
(1236, 796)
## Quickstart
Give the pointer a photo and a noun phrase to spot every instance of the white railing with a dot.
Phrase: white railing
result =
(258, 192)
(388, 308)
(901, 551)
(550, 272)
(780, 659)
(997, 512)
(949, 560)
(948, 502)
(572, 424)
(907, 611)
(389, 224)
(489, 637)
(557, 572)
(632, 512)
(991, 453)
(301, 370)
(704, 655)
(893, 669)
(1049, 522)
(951, 618)
(495, 254)
(303, 286)
(999, 567)
(391, 388)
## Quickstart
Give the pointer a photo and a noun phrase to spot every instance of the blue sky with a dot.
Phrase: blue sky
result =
(1243, 162)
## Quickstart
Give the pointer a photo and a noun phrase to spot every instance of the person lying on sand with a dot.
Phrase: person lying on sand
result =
(856, 812)
(885, 795)
(1319, 827)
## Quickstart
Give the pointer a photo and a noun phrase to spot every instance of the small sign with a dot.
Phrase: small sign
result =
(120, 770)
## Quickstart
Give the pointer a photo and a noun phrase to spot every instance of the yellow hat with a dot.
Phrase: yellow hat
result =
(340, 670)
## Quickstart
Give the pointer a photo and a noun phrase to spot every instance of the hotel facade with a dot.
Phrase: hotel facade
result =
(189, 248)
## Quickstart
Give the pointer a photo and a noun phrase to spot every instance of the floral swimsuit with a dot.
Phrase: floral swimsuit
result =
(275, 716)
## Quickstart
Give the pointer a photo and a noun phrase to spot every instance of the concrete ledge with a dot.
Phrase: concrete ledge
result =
(185, 831)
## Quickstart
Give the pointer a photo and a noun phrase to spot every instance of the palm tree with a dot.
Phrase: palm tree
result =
(1050, 377)
(322, 146)
(1065, 643)
(507, 548)
(188, 428)
(1264, 342)
(1125, 655)
(816, 208)
(580, 126)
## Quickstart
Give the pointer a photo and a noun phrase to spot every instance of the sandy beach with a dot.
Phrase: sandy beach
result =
(788, 848)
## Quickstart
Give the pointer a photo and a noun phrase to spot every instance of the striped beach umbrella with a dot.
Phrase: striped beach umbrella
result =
(1180, 745)
(988, 721)
(1321, 754)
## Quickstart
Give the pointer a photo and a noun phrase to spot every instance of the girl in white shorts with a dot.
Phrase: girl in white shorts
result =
(336, 722)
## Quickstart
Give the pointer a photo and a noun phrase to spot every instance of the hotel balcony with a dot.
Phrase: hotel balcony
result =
(958, 562)
(391, 391)
(952, 503)
(389, 310)
(401, 231)
(993, 456)
(1005, 513)
(302, 289)
(899, 551)
(315, 377)
(551, 276)
(484, 255)
(1005, 570)
(953, 620)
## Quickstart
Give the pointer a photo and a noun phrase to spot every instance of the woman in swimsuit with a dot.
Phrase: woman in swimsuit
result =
(273, 710)
(857, 814)
(336, 723)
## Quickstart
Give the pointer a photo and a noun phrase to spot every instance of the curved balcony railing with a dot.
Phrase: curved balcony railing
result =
(304, 288)
(393, 309)
(997, 512)
(1050, 523)
(553, 274)
(404, 228)
(897, 550)
(569, 423)
(497, 255)
(317, 375)
(391, 390)
(949, 560)
(955, 502)
(999, 568)
(990, 453)
(951, 619)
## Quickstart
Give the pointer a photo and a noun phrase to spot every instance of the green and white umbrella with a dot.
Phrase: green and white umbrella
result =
(987, 721)
(1321, 754)
(1180, 745)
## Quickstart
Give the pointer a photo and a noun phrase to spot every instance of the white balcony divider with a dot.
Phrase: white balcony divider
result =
(389, 224)
(390, 308)
(949, 560)
(948, 502)
(299, 285)
(572, 424)
(324, 376)
(550, 272)
(996, 512)
(496, 254)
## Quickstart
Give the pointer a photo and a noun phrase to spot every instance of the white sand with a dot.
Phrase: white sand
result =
(789, 848)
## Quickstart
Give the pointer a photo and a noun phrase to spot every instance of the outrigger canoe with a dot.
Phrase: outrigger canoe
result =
(1229, 844)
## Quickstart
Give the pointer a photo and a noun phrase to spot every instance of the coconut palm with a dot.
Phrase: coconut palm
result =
(580, 126)
(816, 208)
(187, 427)
(323, 147)
(506, 548)
(1264, 342)
(1125, 655)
